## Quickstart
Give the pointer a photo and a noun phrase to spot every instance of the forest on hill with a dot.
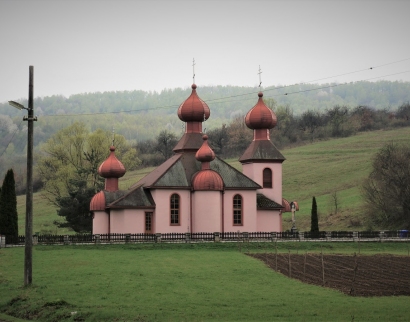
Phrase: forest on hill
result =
(141, 116)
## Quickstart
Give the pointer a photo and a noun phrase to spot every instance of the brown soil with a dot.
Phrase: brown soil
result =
(378, 275)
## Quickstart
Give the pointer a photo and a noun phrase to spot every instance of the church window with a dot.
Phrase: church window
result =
(175, 209)
(267, 178)
(237, 210)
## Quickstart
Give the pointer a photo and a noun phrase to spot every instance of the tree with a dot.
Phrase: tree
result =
(387, 189)
(69, 165)
(166, 141)
(310, 121)
(314, 225)
(337, 117)
(8, 208)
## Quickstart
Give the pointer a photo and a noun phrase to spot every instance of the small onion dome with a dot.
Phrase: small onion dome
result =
(205, 153)
(98, 202)
(260, 116)
(207, 180)
(193, 109)
(111, 167)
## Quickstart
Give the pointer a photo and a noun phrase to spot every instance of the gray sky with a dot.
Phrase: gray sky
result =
(89, 46)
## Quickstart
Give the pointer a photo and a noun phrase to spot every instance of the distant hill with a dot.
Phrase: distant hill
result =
(323, 169)
(139, 115)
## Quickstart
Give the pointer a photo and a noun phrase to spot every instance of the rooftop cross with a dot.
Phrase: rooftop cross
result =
(113, 135)
(260, 80)
(193, 70)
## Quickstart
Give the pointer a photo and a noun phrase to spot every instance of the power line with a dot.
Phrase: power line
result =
(224, 99)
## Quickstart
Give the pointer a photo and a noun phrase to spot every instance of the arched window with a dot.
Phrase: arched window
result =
(237, 210)
(174, 206)
(267, 178)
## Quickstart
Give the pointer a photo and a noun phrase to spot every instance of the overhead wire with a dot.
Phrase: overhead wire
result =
(224, 99)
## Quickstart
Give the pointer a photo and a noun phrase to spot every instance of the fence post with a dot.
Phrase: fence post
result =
(127, 238)
(217, 238)
(328, 236)
(381, 236)
(35, 240)
(355, 236)
(245, 236)
(187, 237)
(66, 240)
(2, 241)
(273, 236)
(158, 237)
(97, 239)
(301, 235)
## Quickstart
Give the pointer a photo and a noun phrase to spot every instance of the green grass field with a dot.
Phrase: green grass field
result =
(317, 169)
(181, 282)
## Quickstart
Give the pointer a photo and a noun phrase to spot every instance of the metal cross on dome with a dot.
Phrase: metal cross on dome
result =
(260, 80)
(113, 135)
(193, 70)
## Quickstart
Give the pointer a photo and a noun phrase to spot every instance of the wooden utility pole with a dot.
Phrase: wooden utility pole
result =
(28, 252)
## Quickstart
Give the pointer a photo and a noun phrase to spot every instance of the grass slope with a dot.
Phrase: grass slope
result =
(180, 282)
(317, 169)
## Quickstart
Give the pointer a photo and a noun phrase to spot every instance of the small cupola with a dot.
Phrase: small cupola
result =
(111, 169)
(206, 179)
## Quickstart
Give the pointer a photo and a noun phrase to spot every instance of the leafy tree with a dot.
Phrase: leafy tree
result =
(69, 165)
(310, 121)
(8, 208)
(314, 225)
(166, 141)
(219, 139)
(337, 117)
(387, 189)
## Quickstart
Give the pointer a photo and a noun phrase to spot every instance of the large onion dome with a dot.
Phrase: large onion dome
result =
(111, 167)
(193, 109)
(260, 116)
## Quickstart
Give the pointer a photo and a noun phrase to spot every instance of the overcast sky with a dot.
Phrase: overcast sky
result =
(88, 46)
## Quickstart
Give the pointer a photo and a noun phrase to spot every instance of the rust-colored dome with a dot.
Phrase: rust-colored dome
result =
(205, 153)
(111, 167)
(193, 109)
(260, 116)
(98, 202)
(207, 180)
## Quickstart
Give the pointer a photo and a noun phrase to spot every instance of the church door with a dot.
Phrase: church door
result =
(148, 222)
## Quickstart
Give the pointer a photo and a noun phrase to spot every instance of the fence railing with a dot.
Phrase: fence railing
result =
(207, 237)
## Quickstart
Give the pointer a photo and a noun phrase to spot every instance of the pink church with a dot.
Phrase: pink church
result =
(194, 190)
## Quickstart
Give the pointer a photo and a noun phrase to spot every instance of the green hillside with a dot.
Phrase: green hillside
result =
(319, 169)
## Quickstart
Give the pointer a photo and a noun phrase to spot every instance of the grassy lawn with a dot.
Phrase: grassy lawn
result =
(181, 282)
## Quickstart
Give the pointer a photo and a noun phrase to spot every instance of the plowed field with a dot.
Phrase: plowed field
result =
(377, 275)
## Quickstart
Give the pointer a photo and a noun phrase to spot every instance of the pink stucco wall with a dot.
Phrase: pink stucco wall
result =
(206, 211)
(269, 220)
(255, 172)
(124, 221)
(249, 211)
(162, 216)
(100, 222)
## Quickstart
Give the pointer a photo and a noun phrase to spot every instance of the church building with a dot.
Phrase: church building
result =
(194, 190)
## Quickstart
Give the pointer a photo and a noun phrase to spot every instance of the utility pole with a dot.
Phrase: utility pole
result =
(28, 252)
(30, 118)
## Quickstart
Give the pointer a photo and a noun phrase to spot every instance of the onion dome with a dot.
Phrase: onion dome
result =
(207, 180)
(205, 153)
(193, 109)
(98, 202)
(111, 167)
(260, 116)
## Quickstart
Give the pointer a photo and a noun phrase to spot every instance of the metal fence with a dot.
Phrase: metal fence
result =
(399, 235)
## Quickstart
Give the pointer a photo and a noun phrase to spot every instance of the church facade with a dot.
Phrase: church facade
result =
(194, 190)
